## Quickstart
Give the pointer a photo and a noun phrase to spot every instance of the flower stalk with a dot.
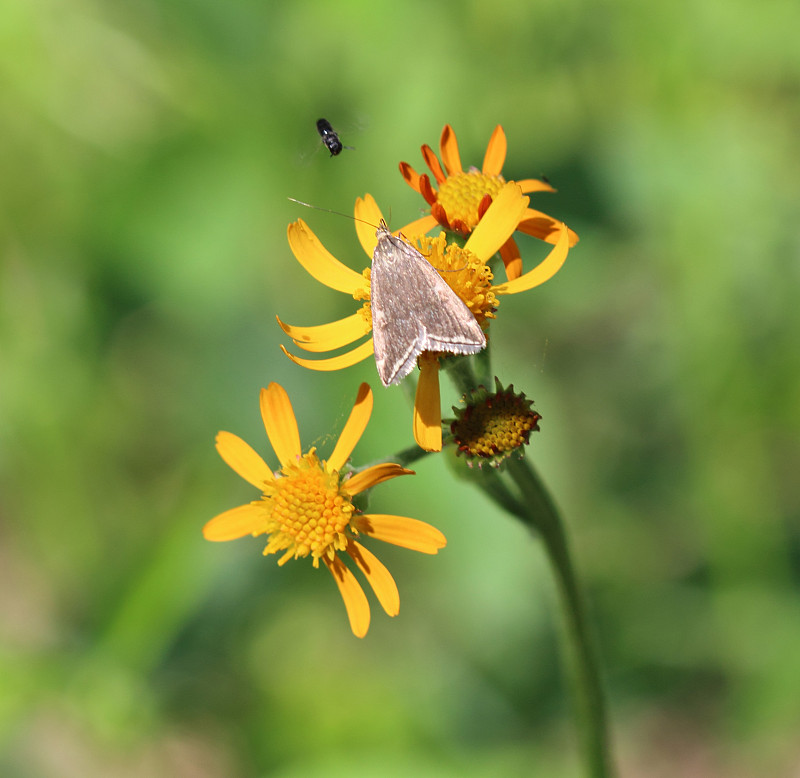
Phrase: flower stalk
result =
(537, 510)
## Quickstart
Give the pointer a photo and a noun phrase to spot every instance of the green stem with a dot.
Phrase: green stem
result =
(543, 516)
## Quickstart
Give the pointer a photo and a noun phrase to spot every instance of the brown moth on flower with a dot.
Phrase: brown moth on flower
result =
(464, 269)
(414, 310)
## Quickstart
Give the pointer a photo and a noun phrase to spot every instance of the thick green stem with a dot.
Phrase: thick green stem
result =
(543, 517)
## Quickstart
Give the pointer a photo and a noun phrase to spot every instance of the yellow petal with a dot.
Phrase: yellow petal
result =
(280, 423)
(512, 261)
(348, 359)
(535, 185)
(495, 153)
(319, 262)
(355, 601)
(448, 147)
(373, 476)
(427, 409)
(544, 227)
(328, 337)
(368, 218)
(498, 223)
(236, 523)
(241, 457)
(353, 429)
(545, 270)
(380, 579)
(401, 531)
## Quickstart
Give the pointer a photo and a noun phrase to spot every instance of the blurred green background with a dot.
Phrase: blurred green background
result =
(147, 151)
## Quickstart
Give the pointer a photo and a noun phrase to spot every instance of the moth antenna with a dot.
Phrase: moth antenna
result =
(330, 210)
(364, 221)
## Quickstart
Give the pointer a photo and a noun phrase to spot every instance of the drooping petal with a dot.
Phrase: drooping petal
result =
(328, 337)
(419, 227)
(353, 428)
(545, 270)
(535, 185)
(348, 359)
(512, 260)
(495, 155)
(355, 601)
(448, 147)
(280, 423)
(368, 218)
(500, 221)
(401, 531)
(544, 227)
(243, 459)
(380, 579)
(373, 476)
(319, 262)
(427, 410)
(410, 175)
(236, 523)
(432, 161)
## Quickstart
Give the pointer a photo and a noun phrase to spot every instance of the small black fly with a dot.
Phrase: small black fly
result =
(329, 137)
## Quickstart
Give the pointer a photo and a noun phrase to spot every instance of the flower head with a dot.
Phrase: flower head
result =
(493, 425)
(465, 269)
(307, 509)
(463, 198)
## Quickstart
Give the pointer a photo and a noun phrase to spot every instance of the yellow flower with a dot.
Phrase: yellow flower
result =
(463, 268)
(464, 197)
(307, 507)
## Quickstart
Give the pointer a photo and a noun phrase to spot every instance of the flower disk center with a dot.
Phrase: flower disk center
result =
(308, 512)
(494, 425)
(461, 194)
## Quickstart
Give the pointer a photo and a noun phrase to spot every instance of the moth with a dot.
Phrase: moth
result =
(414, 310)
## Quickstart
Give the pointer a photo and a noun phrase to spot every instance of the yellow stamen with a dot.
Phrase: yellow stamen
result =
(464, 273)
(461, 194)
(494, 425)
(308, 512)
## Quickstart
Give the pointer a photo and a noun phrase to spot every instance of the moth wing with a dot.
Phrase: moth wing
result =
(414, 310)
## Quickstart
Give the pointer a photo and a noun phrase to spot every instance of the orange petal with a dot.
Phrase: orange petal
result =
(353, 595)
(319, 262)
(373, 476)
(448, 147)
(544, 227)
(410, 175)
(499, 223)
(433, 163)
(535, 185)
(368, 218)
(327, 337)
(426, 190)
(495, 153)
(243, 459)
(401, 531)
(419, 227)
(280, 423)
(380, 579)
(236, 523)
(427, 409)
(348, 359)
(353, 428)
(512, 260)
(545, 270)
